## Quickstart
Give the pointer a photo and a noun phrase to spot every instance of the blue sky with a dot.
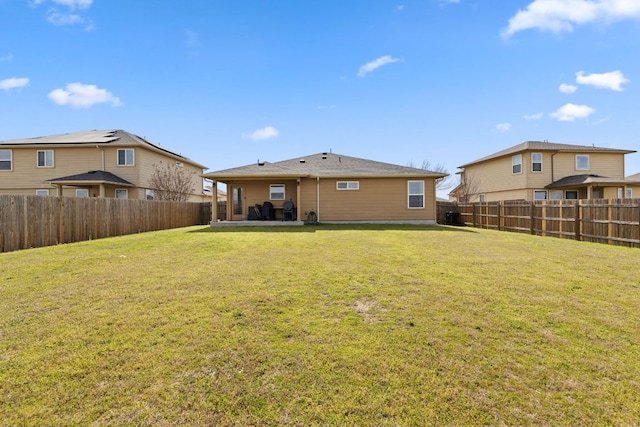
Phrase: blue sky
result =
(230, 82)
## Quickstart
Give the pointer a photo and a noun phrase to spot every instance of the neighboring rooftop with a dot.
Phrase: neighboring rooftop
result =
(93, 137)
(321, 165)
(546, 146)
(101, 177)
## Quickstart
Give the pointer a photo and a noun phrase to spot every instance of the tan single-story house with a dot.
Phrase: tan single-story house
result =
(330, 188)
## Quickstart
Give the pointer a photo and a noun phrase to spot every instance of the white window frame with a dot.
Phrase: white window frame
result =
(482, 198)
(79, 192)
(120, 190)
(556, 194)
(537, 192)
(45, 164)
(629, 193)
(534, 162)
(127, 161)
(3, 159)
(588, 160)
(516, 160)
(149, 194)
(277, 193)
(42, 192)
(347, 185)
(411, 194)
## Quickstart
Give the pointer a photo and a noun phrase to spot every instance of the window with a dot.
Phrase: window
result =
(122, 193)
(5, 160)
(276, 192)
(416, 194)
(536, 162)
(571, 195)
(629, 193)
(582, 162)
(82, 192)
(555, 195)
(348, 185)
(42, 192)
(539, 195)
(516, 164)
(620, 193)
(125, 157)
(45, 158)
(148, 194)
(482, 198)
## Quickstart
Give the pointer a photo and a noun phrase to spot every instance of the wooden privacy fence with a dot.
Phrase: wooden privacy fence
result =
(614, 221)
(36, 221)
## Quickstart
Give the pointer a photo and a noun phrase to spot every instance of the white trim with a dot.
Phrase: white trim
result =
(44, 192)
(82, 189)
(410, 194)
(45, 165)
(514, 164)
(588, 162)
(540, 191)
(126, 192)
(349, 185)
(10, 160)
(284, 194)
(133, 157)
(535, 163)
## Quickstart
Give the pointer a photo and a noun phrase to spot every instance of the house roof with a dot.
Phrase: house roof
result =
(588, 179)
(91, 177)
(321, 165)
(546, 146)
(97, 137)
(635, 177)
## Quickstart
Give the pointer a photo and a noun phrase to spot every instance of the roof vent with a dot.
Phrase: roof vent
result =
(303, 161)
(260, 163)
(324, 156)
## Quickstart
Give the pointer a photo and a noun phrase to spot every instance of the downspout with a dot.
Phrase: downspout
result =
(318, 198)
(100, 148)
(552, 169)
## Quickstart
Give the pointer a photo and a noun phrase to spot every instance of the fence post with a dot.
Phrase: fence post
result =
(500, 207)
(473, 214)
(532, 212)
(578, 221)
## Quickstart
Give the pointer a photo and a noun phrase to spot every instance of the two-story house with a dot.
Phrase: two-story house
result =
(537, 170)
(97, 163)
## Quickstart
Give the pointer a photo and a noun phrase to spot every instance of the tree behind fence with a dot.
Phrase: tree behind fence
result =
(36, 221)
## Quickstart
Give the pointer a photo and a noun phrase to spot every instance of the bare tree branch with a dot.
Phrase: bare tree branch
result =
(171, 182)
(441, 183)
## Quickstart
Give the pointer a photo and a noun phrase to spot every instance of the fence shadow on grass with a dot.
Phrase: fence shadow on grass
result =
(336, 227)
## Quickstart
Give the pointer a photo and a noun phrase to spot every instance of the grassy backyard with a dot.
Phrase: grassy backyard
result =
(322, 325)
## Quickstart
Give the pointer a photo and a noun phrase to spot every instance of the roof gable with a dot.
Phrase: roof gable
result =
(322, 165)
(546, 146)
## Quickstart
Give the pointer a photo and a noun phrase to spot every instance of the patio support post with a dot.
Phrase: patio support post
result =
(214, 202)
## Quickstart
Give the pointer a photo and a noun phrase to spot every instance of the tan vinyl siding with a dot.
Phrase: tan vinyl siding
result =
(146, 162)
(378, 199)
(497, 175)
(605, 164)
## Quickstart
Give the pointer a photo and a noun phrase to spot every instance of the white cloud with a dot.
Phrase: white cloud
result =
(83, 96)
(60, 19)
(503, 127)
(73, 4)
(13, 83)
(264, 133)
(561, 15)
(373, 65)
(571, 112)
(612, 80)
(536, 116)
(565, 88)
(400, 7)
(7, 58)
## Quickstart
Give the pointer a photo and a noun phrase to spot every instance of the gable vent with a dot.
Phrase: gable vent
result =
(302, 161)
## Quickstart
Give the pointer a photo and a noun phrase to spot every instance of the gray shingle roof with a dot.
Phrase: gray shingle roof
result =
(578, 180)
(93, 137)
(100, 177)
(546, 146)
(321, 165)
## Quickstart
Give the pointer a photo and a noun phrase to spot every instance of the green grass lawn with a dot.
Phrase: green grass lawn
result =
(321, 325)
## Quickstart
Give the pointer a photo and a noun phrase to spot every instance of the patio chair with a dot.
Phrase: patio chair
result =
(268, 214)
(288, 211)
